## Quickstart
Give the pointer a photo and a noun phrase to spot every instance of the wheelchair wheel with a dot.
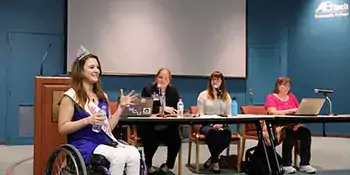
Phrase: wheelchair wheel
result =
(66, 160)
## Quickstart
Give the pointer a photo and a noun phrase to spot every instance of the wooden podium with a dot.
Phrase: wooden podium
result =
(48, 92)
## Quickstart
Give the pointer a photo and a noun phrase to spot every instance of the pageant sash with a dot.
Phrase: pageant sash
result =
(91, 108)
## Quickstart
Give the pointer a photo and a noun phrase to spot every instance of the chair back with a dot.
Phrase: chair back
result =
(118, 130)
(113, 106)
(193, 110)
(257, 110)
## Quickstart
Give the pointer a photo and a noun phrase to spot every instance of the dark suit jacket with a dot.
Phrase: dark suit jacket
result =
(171, 96)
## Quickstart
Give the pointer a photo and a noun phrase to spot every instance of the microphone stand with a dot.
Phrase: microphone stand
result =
(43, 60)
(219, 93)
(330, 112)
(329, 104)
(219, 98)
(163, 104)
(162, 100)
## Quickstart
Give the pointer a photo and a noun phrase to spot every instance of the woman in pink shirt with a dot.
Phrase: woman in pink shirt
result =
(283, 102)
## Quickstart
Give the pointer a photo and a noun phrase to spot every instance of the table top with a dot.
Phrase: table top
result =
(311, 119)
(189, 119)
(241, 118)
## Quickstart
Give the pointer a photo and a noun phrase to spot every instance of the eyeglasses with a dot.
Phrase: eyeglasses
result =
(286, 85)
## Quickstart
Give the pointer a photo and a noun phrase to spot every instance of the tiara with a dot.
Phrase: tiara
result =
(82, 52)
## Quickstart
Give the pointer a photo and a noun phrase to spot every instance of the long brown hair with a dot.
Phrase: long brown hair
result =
(281, 81)
(224, 94)
(77, 80)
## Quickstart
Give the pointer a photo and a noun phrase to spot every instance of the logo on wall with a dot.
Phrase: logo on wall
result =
(328, 9)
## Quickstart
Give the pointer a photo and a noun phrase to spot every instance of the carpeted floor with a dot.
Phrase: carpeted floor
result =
(330, 156)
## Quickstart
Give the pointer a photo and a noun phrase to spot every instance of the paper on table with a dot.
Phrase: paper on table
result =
(210, 116)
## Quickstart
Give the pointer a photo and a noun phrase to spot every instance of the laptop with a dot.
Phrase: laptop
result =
(310, 107)
(142, 107)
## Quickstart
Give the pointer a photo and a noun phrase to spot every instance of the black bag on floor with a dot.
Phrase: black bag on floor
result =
(255, 161)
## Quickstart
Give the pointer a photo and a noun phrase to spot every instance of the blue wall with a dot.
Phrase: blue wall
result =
(318, 57)
(27, 27)
(30, 26)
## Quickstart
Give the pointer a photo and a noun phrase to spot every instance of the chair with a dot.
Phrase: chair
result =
(134, 139)
(198, 139)
(249, 130)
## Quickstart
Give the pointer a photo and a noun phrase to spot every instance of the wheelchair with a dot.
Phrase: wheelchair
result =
(67, 160)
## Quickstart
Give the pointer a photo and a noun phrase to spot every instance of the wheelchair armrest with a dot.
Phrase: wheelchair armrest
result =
(123, 142)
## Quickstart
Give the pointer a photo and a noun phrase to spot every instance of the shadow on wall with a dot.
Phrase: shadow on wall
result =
(188, 87)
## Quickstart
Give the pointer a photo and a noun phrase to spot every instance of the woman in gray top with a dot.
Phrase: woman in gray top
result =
(215, 100)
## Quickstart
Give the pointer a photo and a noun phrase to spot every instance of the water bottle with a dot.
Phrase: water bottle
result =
(96, 127)
(234, 107)
(143, 166)
(180, 108)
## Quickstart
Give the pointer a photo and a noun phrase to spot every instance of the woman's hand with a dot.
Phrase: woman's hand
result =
(292, 111)
(217, 126)
(296, 127)
(169, 110)
(126, 100)
(98, 119)
(153, 116)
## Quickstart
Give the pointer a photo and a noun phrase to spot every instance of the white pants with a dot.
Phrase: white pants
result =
(119, 157)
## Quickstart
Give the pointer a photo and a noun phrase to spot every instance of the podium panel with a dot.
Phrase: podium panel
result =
(48, 92)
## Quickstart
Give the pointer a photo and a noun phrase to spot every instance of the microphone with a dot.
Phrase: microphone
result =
(323, 91)
(44, 59)
(159, 89)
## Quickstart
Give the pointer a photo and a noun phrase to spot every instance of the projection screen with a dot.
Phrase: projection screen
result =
(137, 37)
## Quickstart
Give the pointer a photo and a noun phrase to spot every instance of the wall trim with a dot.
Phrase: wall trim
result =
(331, 135)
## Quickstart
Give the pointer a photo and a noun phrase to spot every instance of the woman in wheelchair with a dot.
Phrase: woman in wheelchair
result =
(80, 109)
(213, 101)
